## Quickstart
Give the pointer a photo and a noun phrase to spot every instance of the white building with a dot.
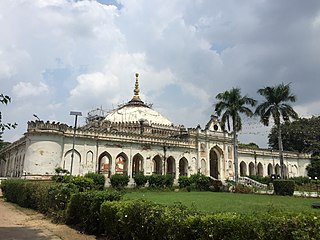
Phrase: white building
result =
(134, 138)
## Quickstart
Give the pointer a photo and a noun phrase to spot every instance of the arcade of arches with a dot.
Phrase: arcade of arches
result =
(260, 169)
(120, 164)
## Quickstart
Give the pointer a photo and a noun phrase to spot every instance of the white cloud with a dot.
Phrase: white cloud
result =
(27, 89)
(186, 52)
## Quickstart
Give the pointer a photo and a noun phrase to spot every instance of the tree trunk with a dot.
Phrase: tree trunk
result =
(280, 152)
(235, 156)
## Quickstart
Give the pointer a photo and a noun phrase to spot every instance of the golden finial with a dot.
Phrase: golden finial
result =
(136, 89)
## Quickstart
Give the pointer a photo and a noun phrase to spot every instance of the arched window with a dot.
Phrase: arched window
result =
(171, 166)
(183, 167)
(243, 169)
(137, 164)
(260, 169)
(157, 165)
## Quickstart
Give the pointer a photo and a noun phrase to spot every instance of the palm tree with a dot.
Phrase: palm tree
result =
(230, 106)
(276, 106)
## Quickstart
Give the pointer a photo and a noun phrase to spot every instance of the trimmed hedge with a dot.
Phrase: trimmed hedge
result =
(83, 211)
(119, 181)
(139, 219)
(140, 179)
(98, 180)
(160, 181)
(283, 187)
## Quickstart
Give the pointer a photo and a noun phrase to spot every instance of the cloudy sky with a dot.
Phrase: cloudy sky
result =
(62, 55)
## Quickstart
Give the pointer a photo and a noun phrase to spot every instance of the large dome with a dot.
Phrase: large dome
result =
(136, 111)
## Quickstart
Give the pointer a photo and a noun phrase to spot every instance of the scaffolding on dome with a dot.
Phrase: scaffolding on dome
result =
(96, 114)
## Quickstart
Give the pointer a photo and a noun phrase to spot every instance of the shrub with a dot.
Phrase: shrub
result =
(98, 180)
(58, 198)
(119, 181)
(260, 179)
(139, 219)
(61, 175)
(216, 186)
(82, 183)
(156, 181)
(241, 188)
(168, 181)
(184, 181)
(160, 181)
(283, 187)
(140, 179)
(84, 209)
(202, 182)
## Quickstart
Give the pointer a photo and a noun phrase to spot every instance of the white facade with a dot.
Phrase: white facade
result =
(134, 138)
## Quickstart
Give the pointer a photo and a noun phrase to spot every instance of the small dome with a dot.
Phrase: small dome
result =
(136, 110)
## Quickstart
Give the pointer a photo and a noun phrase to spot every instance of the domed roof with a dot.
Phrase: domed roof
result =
(136, 110)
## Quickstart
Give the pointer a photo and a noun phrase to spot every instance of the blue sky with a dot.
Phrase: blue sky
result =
(62, 55)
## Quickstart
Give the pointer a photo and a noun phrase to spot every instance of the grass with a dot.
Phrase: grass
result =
(229, 202)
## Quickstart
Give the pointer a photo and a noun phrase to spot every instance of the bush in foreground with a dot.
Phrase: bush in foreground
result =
(119, 181)
(83, 210)
(283, 187)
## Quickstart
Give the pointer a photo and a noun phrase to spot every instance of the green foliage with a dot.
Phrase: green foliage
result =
(140, 179)
(119, 181)
(302, 135)
(184, 181)
(139, 219)
(283, 187)
(249, 145)
(300, 181)
(58, 197)
(314, 168)
(241, 188)
(202, 182)
(82, 183)
(61, 175)
(216, 185)
(83, 211)
(98, 180)
(260, 179)
(160, 181)
(4, 99)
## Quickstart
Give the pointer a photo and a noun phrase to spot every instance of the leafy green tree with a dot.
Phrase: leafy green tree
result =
(4, 99)
(231, 104)
(276, 106)
(314, 167)
(3, 143)
(302, 135)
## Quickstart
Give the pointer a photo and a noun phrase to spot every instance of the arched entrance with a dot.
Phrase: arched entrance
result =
(270, 169)
(137, 164)
(277, 170)
(214, 164)
(75, 163)
(121, 165)
(171, 166)
(260, 169)
(243, 169)
(157, 165)
(183, 167)
(203, 167)
(251, 169)
(105, 164)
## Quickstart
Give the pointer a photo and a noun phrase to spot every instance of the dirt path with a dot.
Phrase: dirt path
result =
(20, 223)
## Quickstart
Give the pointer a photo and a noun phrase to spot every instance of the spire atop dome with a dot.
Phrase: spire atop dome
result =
(136, 98)
(136, 89)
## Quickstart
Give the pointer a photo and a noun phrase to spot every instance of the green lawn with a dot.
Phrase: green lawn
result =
(229, 202)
